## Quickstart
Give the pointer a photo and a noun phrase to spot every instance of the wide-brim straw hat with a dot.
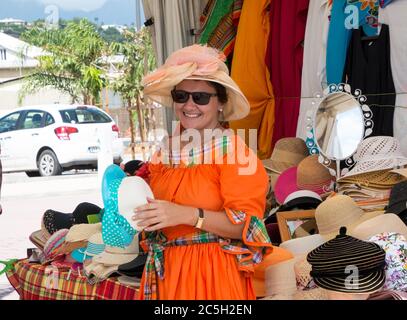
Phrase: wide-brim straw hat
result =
(303, 245)
(112, 256)
(287, 153)
(132, 193)
(38, 238)
(196, 62)
(314, 176)
(377, 153)
(84, 231)
(381, 224)
(340, 211)
(382, 179)
(286, 184)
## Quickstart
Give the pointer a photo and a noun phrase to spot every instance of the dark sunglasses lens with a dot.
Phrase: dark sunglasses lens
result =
(180, 96)
(201, 98)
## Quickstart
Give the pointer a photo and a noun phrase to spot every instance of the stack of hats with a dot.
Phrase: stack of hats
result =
(370, 180)
(107, 263)
(310, 175)
(398, 201)
(348, 265)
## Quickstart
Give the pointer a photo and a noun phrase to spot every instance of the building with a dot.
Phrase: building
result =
(17, 60)
(9, 21)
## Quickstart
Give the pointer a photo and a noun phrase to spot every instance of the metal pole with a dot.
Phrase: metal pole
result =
(138, 15)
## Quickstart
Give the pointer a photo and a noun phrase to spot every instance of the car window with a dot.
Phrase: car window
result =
(49, 119)
(84, 115)
(33, 119)
(9, 122)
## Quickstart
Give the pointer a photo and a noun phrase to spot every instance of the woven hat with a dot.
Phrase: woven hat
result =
(312, 175)
(55, 220)
(95, 246)
(115, 256)
(394, 244)
(382, 179)
(38, 238)
(286, 184)
(287, 153)
(303, 245)
(80, 232)
(349, 265)
(380, 224)
(302, 270)
(377, 153)
(132, 193)
(98, 272)
(53, 243)
(339, 211)
(398, 201)
(196, 62)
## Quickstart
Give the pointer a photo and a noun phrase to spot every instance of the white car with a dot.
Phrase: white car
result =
(48, 139)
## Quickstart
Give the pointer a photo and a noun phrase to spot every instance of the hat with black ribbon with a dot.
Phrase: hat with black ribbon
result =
(346, 264)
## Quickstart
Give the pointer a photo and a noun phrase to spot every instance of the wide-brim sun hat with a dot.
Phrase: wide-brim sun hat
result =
(340, 211)
(383, 223)
(113, 256)
(287, 153)
(303, 245)
(302, 199)
(196, 62)
(314, 176)
(286, 184)
(132, 193)
(80, 232)
(377, 153)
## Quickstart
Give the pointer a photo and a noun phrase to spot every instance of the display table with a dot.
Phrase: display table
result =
(34, 282)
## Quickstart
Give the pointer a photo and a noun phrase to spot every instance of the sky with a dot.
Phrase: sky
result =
(106, 11)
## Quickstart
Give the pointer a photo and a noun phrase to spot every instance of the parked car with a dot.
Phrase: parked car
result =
(48, 139)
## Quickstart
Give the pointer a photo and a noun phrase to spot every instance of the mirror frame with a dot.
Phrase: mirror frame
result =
(312, 142)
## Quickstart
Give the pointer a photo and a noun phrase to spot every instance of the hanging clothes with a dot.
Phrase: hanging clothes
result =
(284, 60)
(219, 21)
(394, 15)
(368, 68)
(340, 32)
(251, 74)
(314, 66)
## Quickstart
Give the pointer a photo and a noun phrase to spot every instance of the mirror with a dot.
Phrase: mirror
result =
(339, 126)
(296, 224)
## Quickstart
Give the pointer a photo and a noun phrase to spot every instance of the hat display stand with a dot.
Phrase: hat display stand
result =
(337, 126)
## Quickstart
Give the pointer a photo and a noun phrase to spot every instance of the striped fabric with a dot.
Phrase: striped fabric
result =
(35, 282)
(248, 252)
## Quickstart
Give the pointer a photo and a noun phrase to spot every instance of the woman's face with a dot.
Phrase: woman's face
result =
(193, 115)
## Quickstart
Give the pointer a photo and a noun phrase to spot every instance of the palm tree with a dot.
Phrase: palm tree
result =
(72, 63)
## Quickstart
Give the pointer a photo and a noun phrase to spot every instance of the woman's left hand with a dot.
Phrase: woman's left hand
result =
(159, 214)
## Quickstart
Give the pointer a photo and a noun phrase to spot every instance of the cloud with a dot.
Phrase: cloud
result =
(75, 5)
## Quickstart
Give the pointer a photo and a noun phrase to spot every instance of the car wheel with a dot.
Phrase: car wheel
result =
(32, 173)
(48, 164)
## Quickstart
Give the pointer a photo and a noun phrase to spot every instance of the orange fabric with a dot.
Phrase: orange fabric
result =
(205, 271)
(278, 255)
(251, 74)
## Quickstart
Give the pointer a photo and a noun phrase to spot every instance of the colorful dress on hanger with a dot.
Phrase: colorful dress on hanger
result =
(251, 74)
(368, 68)
(188, 263)
(284, 59)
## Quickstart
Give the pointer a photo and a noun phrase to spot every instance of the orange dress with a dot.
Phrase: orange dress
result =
(222, 268)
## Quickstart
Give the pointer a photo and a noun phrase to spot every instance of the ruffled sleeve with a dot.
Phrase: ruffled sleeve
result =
(243, 186)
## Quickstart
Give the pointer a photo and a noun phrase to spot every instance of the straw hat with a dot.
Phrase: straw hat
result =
(286, 184)
(287, 153)
(303, 245)
(380, 224)
(331, 261)
(38, 238)
(382, 179)
(53, 243)
(132, 193)
(339, 211)
(115, 256)
(80, 232)
(94, 247)
(97, 272)
(196, 62)
(312, 175)
(377, 153)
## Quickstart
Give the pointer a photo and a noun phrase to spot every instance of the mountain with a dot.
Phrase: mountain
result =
(109, 12)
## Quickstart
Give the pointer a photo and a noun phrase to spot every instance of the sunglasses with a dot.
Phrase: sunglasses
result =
(200, 98)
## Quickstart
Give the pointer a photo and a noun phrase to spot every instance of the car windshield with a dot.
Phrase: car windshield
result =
(84, 115)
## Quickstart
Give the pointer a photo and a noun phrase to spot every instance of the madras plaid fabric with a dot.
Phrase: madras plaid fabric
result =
(33, 282)
(256, 243)
(195, 156)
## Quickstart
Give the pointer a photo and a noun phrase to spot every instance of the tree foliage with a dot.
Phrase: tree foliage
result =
(72, 61)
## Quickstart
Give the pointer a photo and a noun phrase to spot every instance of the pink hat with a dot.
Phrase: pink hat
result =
(286, 184)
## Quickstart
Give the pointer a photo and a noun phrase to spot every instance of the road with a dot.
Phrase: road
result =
(24, 200)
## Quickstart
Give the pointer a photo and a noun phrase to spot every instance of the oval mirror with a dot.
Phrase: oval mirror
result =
(339, 126)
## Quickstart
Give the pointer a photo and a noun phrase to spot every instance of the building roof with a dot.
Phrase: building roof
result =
(18, 46)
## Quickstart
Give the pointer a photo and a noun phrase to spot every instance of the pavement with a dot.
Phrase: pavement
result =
(25, 199)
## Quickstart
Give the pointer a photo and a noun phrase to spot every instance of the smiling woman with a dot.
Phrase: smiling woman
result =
(204, 231)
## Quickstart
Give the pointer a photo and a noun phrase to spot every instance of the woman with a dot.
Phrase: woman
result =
(205, 233)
